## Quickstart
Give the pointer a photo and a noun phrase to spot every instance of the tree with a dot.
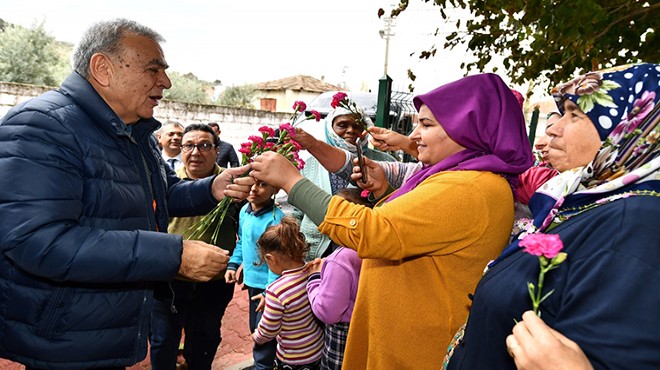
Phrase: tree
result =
(29, 55)
(188, 88)
(551, 39)
(237, 96)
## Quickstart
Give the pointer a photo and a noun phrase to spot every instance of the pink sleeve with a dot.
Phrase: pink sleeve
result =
(531, 180)
(330, 296)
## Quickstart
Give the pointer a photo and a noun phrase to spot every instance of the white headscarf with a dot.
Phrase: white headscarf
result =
(335, 140)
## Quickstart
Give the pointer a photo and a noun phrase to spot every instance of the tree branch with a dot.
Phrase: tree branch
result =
(627, 16)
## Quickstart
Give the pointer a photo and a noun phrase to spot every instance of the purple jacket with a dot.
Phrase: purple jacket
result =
(332, 292)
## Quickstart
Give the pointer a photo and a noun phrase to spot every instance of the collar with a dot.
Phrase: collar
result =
(268, 208)
(295, 270)
(167, 157)
(183, 175)
(83, 93)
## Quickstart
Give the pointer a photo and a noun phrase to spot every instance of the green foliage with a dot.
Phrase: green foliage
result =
(551, 39)
(188, 88)
(31, 56)
(237, 96)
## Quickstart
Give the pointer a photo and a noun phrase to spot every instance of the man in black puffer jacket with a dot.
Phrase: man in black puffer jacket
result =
(84, 209)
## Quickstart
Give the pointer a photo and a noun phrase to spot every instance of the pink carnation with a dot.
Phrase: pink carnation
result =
(295, 144)
(246, 148)
(337, 98)
(547, 245)
(364, 193)
(301, 164)
(288, 128)
(317, 115)
(267, 130)
(299, 106)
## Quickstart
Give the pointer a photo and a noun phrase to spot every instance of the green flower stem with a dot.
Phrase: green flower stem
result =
(535, 293)
(216, 216)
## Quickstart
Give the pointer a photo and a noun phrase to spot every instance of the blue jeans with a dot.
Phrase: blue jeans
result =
(197, 308)
(263, 354)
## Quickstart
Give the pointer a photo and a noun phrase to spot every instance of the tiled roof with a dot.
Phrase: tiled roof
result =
(299, 82)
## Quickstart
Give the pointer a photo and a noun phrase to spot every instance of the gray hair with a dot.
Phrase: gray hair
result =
(105, 37)
(170, 123)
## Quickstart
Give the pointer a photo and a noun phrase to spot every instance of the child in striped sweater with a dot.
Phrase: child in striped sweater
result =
(288, 315)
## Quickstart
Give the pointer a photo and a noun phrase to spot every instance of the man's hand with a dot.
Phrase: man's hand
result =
(201, 261)
(229, 183)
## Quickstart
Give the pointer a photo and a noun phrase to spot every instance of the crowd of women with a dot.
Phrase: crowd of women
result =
(442, 281)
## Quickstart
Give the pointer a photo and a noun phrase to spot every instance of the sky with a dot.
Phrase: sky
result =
(239, 42)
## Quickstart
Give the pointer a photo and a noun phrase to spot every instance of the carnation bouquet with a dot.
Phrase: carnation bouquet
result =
(280, 140)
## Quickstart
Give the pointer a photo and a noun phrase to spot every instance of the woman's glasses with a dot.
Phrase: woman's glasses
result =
(203, 147)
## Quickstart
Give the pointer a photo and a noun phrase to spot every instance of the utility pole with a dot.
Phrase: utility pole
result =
(386, 33)
(385, 83)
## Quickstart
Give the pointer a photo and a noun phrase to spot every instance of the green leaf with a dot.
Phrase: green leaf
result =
(601, 98)
(609, 85)
(546, 295)
(586, 103)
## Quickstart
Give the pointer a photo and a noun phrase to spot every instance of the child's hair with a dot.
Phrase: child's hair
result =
(284, 238)
(354, 195)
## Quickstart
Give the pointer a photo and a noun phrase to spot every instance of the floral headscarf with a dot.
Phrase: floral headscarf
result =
(622, 103)
(337, 141)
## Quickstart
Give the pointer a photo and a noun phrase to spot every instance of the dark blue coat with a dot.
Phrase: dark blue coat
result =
(606, 296)
(78, 231)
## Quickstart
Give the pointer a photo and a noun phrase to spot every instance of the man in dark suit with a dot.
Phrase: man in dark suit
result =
(226, 155)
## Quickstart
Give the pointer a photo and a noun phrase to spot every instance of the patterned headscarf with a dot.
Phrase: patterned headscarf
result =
(481, 114)
(335, 140)
(622, 103)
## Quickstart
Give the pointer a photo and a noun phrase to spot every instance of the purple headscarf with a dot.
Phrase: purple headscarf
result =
(481, 114)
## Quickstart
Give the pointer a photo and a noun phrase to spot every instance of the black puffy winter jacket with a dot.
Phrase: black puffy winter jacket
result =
(84, 206)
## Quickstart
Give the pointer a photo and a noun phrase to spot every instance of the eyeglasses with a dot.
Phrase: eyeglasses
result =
(203, 147)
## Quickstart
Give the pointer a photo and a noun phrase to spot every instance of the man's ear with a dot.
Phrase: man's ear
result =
(101, 69)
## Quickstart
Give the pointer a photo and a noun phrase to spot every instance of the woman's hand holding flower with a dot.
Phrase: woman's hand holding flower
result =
(274, 169)
(536, 346)
(388, 140)
(305, 140)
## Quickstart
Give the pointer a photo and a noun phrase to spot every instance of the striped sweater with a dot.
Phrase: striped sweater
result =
(288, 316)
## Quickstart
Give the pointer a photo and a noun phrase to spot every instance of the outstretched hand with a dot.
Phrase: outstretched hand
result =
(388, 140)
(536, 346)
(229, 183)
(305, 140)
(274, 169)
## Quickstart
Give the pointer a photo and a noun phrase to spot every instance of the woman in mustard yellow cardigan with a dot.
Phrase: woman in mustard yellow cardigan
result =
(425, 245)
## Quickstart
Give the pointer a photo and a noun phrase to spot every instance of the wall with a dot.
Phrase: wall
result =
(236, 123)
